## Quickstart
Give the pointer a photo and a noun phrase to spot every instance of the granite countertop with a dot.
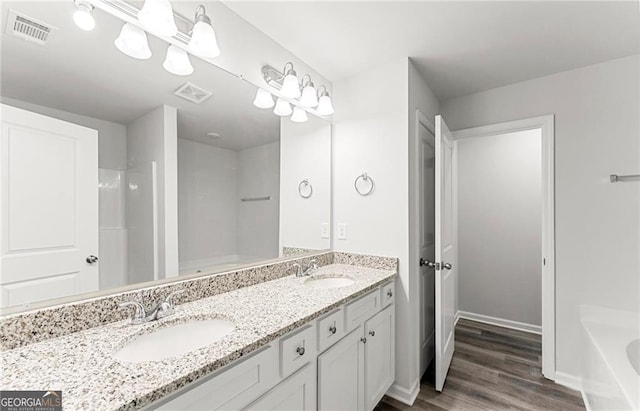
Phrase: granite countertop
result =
(82, 365)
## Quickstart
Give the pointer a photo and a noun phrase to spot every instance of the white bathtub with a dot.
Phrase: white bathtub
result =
(610, 356)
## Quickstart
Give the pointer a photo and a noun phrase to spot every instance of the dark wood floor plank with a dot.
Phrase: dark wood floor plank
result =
(493, 368)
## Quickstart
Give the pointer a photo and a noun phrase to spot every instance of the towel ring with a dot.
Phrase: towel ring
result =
(309, 192)
(364, 178)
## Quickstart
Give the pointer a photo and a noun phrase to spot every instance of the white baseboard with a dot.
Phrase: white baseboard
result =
(569, 381)
(501, 322)
(403, 395)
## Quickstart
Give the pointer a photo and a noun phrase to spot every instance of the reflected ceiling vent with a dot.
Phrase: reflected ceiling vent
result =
(27, 28)
(193, 93)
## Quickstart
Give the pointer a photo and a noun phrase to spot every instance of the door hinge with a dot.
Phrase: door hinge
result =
(544, 261)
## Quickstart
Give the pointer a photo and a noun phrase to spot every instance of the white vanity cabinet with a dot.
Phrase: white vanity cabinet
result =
(355, 373)
(344, 360)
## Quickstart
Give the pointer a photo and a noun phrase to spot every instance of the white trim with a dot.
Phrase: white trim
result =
(569, 381)
(546, 125)
(403, 395)
(500, 322)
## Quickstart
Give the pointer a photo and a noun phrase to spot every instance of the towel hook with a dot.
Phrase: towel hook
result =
(301, 188)
(366, 178)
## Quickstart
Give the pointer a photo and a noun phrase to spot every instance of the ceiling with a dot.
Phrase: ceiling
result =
(82, 72)
(459, 47)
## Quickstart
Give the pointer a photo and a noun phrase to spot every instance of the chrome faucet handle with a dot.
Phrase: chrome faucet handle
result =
(138, 315)
(298, 269)
(169, 298)
(166, 307)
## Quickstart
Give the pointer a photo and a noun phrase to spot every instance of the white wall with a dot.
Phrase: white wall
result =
(207, 203)
(499, 231)
(597, 133)
(258, 221)
(305, 153)
(371, 135)
(153, 137)
(112, 137)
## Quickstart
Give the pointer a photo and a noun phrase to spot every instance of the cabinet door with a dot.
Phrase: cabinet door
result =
(379, 356)
(340, 384)
(296, 393)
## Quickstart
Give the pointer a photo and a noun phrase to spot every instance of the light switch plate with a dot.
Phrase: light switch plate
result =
(342, 231)
(324, 230)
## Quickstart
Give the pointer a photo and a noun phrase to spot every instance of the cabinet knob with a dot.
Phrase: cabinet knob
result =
(300, 350)
(389, 293)
(333, 329)
(364, 340)
(372, 333)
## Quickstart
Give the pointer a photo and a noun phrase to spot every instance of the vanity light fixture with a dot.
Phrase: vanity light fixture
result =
(283, 108)
(177, 61)
(309, 96)
(290, 86)
(203, 38)
(132, 41)
(157, 17)
(82, 15)
(263, 99)
(325, 105)
(299, 115)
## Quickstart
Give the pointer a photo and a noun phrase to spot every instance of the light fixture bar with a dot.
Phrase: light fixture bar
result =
(129, 13)
(272, 76)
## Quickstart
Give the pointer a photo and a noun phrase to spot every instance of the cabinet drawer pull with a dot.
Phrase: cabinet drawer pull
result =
(389, 293)
(372, 333)
(300, 350)
(333, 329)
(364, 340)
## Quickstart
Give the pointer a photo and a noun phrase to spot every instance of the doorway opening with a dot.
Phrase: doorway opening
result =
(533, 206)
(527, 186)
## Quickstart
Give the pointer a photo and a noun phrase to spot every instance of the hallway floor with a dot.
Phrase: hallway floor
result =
(493, 368)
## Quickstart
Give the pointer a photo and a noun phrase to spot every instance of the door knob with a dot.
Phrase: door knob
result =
(446, 266)
(92, 259)
(427, 263)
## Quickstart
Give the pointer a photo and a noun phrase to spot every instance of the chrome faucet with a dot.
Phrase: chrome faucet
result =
(300, 272)
(163, 309)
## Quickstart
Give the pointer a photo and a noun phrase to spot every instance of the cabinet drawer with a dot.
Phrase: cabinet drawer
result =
(229, 389)
(387, 292)
(297, 349)
(362, 309)
(330, 329)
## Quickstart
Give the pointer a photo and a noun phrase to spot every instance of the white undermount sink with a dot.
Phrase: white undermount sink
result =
(174, 340)
(329, 282)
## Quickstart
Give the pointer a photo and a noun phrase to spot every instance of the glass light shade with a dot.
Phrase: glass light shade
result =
(157, 17)
(290, 87)
(203, 40)
(325, 106)
(177, 61)
(83, 18)
(132, 41)
(263, 99)
(299, 115)
(283, 108)
(309, 97)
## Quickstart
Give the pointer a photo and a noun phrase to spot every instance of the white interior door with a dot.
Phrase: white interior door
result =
(426, 195)
(446, 252)
(48, 208)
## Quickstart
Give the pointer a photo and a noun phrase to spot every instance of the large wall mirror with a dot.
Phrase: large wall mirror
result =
(116, 172)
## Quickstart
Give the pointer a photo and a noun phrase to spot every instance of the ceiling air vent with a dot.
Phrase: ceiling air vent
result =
(27, 28)
(193, 93)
